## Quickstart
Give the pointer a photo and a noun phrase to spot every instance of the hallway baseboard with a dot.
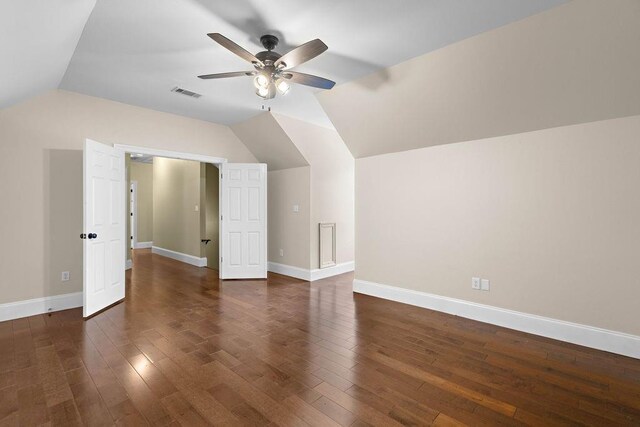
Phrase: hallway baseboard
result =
(310, 275)
(179, 256)
(143, 245)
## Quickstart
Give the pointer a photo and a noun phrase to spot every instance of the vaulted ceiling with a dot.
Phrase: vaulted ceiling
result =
(37, 41)
(136, 51)
(577, 63)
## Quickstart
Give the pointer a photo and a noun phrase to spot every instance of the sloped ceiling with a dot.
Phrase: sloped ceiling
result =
(136, 51)
(576, 63)
(269, 143)
(37, 41)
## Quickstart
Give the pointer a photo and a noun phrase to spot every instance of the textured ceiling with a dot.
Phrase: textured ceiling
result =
(136, 51)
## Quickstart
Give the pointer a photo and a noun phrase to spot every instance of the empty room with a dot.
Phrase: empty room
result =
(323, 213)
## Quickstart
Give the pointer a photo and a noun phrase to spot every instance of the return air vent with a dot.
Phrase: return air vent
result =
(186, 92)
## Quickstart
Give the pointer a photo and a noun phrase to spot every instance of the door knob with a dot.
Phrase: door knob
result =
(92, 235)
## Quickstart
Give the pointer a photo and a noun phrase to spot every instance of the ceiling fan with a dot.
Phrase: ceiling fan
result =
(272, 71)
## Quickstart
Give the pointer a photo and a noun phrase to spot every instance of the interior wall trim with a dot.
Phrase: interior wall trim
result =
(323, 273)
(179, 256)
(588, 336)
(32, 307)
(310, 275)
(143, 245)
(170, 154)
(289, 270)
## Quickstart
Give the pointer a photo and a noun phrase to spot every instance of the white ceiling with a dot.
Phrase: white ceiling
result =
(37, 40)
(136, 51)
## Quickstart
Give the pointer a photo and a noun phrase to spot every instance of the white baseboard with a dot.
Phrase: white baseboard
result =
(588, 336)
(323, 273)
(32, 307)
(178, 256)
(289, 270)
(143, 245)
(128, 264)
(310, 275)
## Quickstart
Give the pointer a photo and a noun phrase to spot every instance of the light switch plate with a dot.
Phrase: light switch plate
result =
(475, 283)
(296, 208)
(484, 284)
(281, 252)
(65, 276)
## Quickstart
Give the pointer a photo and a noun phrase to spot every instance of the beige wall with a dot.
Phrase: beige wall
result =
(551, 217)
(289, 230)
(332, 184)
(266, 139)
(142, 173)
(41, 143)
(574, 63)
(176, 194)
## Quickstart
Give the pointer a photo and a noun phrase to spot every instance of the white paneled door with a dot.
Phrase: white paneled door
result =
(243, 221)
(104, 226)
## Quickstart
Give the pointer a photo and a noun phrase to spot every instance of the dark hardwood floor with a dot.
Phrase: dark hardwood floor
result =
(187, 349)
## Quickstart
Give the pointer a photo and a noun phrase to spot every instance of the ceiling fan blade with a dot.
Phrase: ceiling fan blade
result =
(225, 75)
(235, 48)
(301, 54)
(308, 80)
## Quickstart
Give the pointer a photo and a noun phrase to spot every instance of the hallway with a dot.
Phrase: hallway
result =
(186, 348)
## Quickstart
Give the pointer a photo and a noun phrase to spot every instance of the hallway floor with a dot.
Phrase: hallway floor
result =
(185, 348)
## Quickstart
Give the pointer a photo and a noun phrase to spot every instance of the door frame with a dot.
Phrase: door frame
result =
(216, 161)
(170, 154)
(133, 220)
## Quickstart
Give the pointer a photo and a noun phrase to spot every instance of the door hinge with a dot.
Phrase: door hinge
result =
(131, 237)
(220, 175)
(221, 259)
(131, 213)
(221, 218)
(131, 190)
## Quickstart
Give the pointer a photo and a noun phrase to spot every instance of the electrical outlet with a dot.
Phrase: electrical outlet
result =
(65, 276)
(475, 283)
(296, 208)
(484, 284)
(281, 252)
(197, 208)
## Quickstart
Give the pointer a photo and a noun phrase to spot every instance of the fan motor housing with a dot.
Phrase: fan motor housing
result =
(268, 55)
(269, 41)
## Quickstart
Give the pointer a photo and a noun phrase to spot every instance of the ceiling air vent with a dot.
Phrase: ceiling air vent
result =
(186, 92)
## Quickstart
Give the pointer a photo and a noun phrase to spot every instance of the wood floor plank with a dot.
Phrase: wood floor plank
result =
(188, 349)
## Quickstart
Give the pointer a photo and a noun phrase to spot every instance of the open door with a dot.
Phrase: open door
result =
(104, 227)
(243, 221)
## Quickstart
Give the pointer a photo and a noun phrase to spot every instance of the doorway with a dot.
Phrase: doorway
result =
(133, 212)
(242, 234)
(173, 209)
(212, 214)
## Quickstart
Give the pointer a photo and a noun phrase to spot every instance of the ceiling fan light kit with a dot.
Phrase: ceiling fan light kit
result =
(272, 71)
